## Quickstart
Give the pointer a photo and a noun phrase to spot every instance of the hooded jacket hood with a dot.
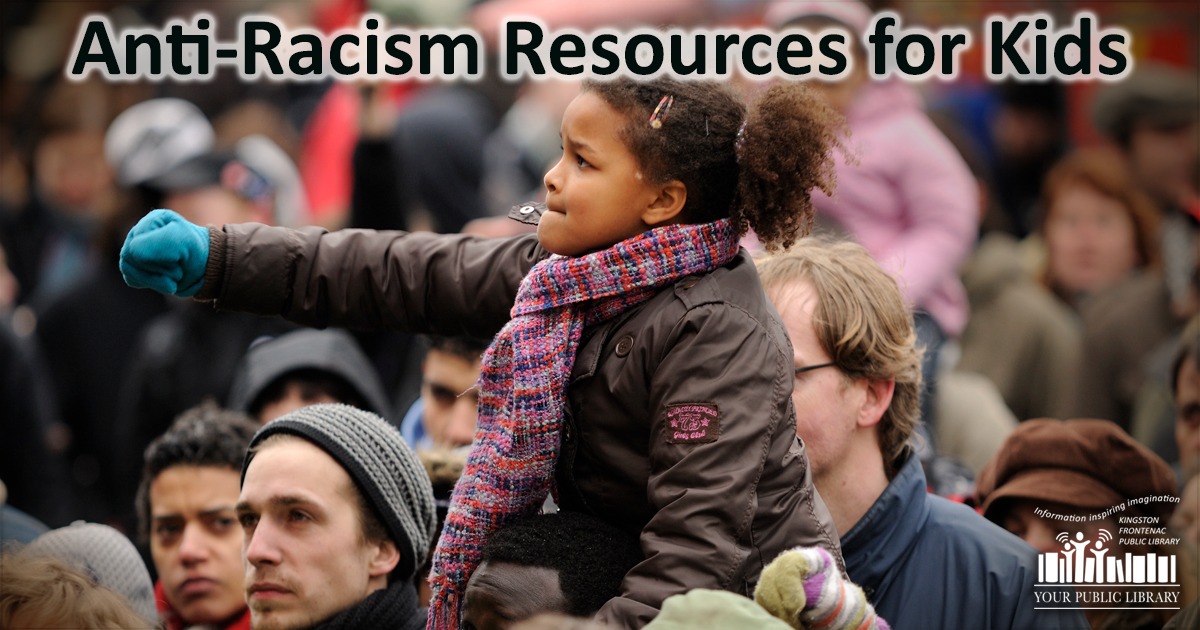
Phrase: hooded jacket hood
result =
(331, 351)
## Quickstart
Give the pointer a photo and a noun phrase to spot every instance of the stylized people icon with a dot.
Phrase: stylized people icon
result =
(1073, 549)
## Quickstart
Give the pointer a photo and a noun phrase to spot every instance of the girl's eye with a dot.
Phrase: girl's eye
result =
(580, 162)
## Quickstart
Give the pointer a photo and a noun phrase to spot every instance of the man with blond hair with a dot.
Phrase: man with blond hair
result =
(857, 398)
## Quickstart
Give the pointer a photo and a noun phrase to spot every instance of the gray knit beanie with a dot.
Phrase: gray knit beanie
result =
(106, 556)
(385, 470)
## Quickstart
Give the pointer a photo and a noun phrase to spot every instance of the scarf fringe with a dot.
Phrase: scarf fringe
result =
(447, 613)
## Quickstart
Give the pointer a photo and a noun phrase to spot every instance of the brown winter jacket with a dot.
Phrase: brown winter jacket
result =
(711, 506)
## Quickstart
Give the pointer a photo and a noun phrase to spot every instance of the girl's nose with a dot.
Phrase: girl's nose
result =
(551, 179)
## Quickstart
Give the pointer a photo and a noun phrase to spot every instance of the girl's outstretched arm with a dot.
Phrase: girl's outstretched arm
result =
(364, 279)
(442, 284)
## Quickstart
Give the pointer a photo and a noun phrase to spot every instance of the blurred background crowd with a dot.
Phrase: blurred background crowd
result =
(1049, 243)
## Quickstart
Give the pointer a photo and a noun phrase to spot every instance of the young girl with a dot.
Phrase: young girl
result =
(888, 201)
(640, 374)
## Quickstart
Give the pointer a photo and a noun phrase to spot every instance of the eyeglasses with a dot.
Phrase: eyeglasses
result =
(809, 368)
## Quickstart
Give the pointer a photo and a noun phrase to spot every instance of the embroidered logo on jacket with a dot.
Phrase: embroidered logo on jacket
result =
(691, 423)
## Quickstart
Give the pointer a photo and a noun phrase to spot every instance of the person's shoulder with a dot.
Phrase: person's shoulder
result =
(959, 526)
(896, 112)
(728, 300)
(735, 284)
(1128, 298)
(731, 295)
(908, 124)
(985, 555)
(986, 563)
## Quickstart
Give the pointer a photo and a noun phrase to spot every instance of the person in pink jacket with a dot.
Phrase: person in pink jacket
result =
(903, 192)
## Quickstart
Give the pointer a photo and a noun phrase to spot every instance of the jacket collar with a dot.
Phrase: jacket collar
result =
(887, 532)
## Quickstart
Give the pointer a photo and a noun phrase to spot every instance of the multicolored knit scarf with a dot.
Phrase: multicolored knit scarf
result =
(524, 380)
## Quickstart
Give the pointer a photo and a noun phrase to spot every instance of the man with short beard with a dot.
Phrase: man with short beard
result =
(337, 513)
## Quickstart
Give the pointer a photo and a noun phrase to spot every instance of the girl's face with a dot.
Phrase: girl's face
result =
(1090, 239)
(596, 194)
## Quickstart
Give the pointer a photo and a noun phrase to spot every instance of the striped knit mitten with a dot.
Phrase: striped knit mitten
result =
(804, 588)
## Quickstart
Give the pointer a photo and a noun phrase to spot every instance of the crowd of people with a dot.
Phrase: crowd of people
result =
(862, 354)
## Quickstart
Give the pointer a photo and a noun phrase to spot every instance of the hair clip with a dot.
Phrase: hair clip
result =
(660, 112)
(739, 142)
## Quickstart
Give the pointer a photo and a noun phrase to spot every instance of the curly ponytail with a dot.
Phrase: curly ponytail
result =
(785, 152)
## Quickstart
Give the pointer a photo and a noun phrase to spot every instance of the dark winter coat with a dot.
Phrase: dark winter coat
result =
(711, 507)
(927, 562)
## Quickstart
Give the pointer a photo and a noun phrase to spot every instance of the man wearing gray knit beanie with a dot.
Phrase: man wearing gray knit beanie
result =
(338, 513)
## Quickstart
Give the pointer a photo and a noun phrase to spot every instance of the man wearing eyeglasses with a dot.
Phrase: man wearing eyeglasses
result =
(923, 561)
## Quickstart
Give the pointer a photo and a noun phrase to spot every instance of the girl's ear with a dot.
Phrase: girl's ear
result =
(667, 206)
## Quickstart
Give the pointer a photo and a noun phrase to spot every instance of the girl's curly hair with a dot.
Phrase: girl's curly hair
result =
(762, 180)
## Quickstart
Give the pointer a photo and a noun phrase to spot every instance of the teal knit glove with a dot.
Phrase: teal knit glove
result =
(165, 253)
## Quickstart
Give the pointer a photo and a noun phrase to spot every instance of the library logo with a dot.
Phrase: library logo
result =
(1094, 573)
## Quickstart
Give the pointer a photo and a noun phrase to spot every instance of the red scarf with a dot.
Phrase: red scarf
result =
(174, 622)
